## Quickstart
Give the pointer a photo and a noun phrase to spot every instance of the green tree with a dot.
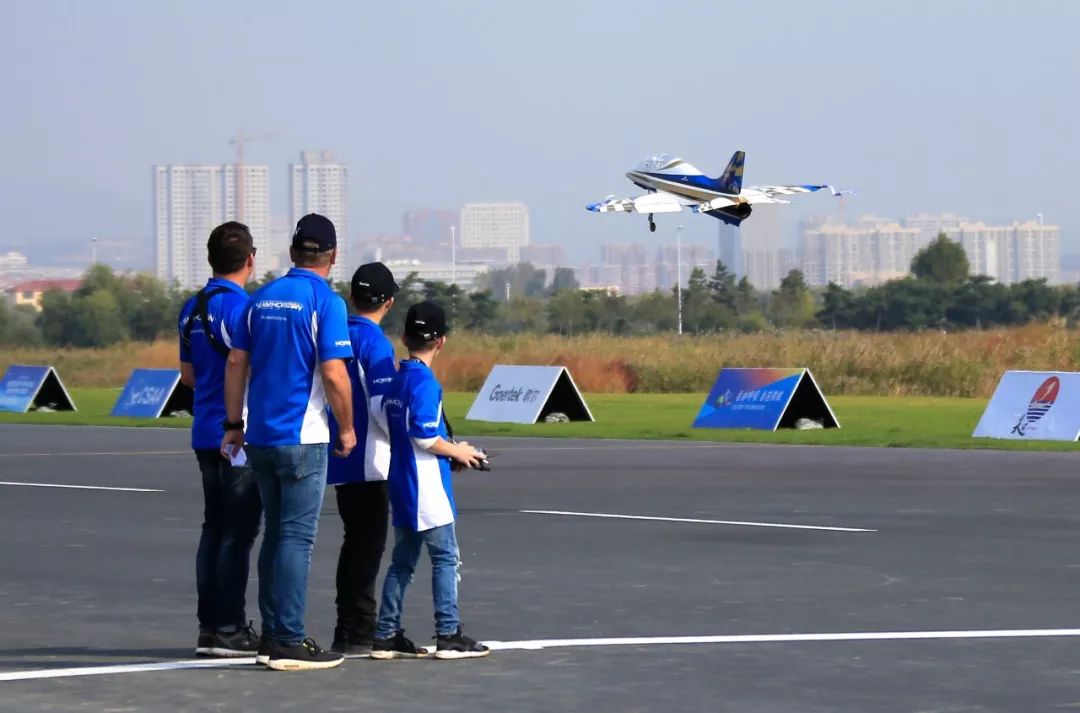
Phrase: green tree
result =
(563, 279)
(839, 308)
(746, 301)
(942, 261)
(722, 287)
(792, 305)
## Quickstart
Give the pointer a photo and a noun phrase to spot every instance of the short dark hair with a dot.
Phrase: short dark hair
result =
(229, 246)
(303, 258)
(415, 343)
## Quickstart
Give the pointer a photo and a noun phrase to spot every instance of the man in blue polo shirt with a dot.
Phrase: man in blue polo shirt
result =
(361, 478)
(421, 494)
(231, 506)
(295, 340)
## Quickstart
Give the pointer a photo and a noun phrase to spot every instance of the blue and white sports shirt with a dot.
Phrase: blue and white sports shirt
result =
(225, 311)
(292, 325)
(420, 486)
(371, 371)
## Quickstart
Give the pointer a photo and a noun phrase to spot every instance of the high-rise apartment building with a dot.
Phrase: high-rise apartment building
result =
(761, 239)
(319, 184)
(495, 225)
(1011, 253)
(430, 227)
(191, 200)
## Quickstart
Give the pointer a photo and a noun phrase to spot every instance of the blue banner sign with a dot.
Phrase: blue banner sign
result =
(765, 399)
(20, 385)
(147, 393)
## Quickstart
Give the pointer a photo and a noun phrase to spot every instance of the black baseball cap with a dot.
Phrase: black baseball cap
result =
(425, 320)
(373, 283)
(314, 234)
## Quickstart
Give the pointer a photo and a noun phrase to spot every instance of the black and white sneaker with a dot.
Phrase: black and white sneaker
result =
(459, 646)
(206, 642)
(305, 656)
(350, 645)
(243, 642)
(262, 656)
(397, 647)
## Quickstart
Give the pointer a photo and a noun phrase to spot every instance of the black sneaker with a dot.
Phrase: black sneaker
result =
(262, 656)
(350, 645)
(305, 656)
(459, 646)
(243, 642)
(397, 647)
(206, 642)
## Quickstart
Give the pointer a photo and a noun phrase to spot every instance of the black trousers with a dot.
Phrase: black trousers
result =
(364, 510)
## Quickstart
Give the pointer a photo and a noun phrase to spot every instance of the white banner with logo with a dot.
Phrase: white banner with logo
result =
(1033, 405)
(522, 394)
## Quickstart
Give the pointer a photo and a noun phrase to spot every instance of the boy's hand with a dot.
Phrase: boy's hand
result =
(346, 443)
(466, 455)
(231, 442)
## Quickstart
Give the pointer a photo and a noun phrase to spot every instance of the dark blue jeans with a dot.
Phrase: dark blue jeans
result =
(442, 548)
(231, 509)
(291, 481)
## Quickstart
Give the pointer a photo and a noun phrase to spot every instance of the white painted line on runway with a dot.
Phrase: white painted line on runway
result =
(540, 644)
(695, 520)
(536, 644)
(94, 453)
(81, 487)
(129, 668)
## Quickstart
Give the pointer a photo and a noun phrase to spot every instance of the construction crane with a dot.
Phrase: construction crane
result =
(240, 140)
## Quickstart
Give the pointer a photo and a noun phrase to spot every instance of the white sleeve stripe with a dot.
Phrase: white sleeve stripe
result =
(425, 443)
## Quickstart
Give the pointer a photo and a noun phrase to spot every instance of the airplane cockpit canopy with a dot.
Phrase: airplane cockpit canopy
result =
(666, 163)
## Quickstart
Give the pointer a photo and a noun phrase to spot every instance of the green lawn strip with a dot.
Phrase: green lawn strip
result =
(916, 422)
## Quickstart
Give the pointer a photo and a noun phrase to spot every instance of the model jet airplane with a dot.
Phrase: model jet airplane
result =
(673, 184)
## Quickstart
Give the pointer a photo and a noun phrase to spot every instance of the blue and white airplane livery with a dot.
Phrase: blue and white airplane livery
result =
(673, 184)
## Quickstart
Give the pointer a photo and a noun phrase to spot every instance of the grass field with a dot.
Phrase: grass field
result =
(912, 422)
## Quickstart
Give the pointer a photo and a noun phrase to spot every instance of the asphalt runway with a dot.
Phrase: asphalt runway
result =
(977, 551)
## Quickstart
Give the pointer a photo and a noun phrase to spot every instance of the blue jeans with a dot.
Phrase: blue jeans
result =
(231, 510)
(443, 549)
(291, 482)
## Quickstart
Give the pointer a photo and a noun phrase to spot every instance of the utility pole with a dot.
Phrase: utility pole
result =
(678, 275)
(453, 255)
(507, 293)
(93, 251)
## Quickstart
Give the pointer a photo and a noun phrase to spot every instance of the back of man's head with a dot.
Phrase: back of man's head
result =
(372, 287)
(314, 242)
(229, 247)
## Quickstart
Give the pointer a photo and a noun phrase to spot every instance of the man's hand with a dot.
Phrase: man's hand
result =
(346, 443)
(466, 455)
(231, 443)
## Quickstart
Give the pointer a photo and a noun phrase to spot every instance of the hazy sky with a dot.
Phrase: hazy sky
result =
(922, 106)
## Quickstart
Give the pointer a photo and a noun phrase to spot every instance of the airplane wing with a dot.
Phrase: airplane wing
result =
(773, 194)
(658, 202)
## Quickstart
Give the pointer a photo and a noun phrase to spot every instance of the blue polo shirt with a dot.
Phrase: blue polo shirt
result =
(225, 311)
(291, 326)
(420, 484)
(371, 371)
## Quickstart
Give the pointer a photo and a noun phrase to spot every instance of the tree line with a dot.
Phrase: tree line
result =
(939, 294)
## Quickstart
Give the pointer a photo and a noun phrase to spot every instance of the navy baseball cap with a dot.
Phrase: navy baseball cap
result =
(314, 234)
(425, 320)
(373, 283)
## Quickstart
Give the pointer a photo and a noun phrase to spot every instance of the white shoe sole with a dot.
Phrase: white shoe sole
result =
(300, 665)
(203, 651)
(447, 655)
(227, 653)
(262, 660)
(388, 655)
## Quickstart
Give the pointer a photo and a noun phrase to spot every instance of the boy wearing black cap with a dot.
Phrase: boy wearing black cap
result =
(421, 494)
(361, 478)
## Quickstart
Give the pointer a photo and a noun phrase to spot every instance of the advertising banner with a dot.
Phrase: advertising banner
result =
(151, 392)
(764, 399)
(527, 394)
(24, 387)
(1033, 405)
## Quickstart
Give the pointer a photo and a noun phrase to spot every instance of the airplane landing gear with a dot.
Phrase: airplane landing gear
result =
(652, 224)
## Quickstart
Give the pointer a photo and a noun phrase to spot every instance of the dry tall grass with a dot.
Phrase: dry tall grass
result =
(930, 363)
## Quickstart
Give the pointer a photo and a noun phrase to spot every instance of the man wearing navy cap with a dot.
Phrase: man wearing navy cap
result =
(361, 478)
(295, 341)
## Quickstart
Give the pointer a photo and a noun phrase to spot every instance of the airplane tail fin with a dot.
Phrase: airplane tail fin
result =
(730, 182)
